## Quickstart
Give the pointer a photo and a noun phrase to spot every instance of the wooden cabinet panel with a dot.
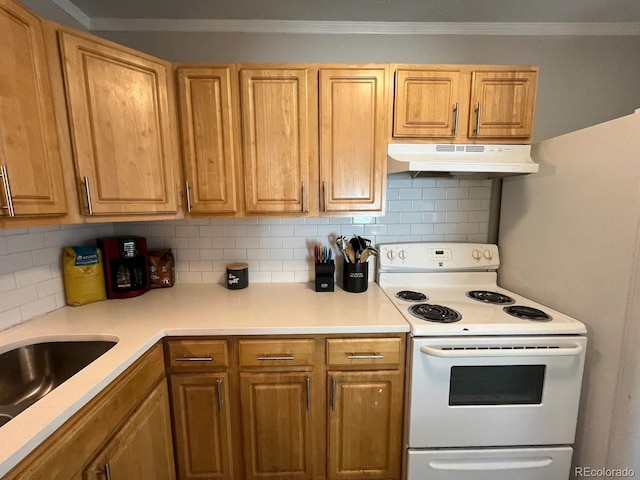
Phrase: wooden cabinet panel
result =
(353, 138)
(29, 148)
(372, 352)
(502, 103)
(142, 448)
(284, 353)
(207, 98)
(275, 109)
(427, 103)
(121, 124)
(365, 425)
(203, 426)
(277, 425)
(197, 355)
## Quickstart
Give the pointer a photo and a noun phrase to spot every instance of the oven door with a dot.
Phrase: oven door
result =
(490, 464)
(496, 391)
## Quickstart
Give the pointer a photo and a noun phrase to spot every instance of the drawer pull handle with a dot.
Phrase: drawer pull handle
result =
(106, 472)
(365, 356)
(194, 359)
(276, 357)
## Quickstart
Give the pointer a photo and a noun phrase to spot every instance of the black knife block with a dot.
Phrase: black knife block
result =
(355, 277)
(325, 276)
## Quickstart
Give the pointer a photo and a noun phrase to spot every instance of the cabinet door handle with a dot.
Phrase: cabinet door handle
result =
(106, 471)
(308, 394)
(325, 194)
(305, 205)
(7, 191)
(334, 385)
(365, 356)
(220, 400)
(456, 116)
(87, 193)
(478, 113)
(194, 359)
(276, 357)
(187, 192)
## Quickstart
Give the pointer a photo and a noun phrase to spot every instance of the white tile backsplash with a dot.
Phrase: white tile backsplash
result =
(277, 249)
(31, 282)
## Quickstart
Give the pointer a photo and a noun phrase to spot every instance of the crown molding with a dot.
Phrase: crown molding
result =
(362, 28)
(78, 15)
(347, 28)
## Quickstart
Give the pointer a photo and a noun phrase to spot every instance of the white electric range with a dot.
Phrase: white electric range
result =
(495, 378)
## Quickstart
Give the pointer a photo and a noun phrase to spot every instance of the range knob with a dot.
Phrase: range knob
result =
(476, 254)
(487, 254)
(391, 255)
(402, 255)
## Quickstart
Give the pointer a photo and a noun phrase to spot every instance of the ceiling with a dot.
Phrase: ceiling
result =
(516, 17)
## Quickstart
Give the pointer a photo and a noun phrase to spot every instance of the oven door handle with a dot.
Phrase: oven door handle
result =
(487, 352)
(491, 464)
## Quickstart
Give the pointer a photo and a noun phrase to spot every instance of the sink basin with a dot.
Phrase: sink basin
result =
(29, 372)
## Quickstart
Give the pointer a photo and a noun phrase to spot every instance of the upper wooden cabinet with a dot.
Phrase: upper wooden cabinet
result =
(353, 141)
(121, 117)
(207, 98)
(464, 104)
(31, 180)
(276, 108)
(427, 103)
(503, 103)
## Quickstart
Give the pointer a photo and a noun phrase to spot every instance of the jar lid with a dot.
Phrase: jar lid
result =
(238, 266)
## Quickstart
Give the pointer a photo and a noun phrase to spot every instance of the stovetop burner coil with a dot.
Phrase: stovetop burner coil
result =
(527, 313)
(490, 297)
(435, 313)
(412, 296)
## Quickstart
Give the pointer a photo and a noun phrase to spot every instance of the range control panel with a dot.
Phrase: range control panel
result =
(430, 256)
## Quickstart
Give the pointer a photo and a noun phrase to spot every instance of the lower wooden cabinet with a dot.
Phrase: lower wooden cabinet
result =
(365, 424)
(202, 426)
(276, 425)
(143, 447)
(127, 425)
(288, 408)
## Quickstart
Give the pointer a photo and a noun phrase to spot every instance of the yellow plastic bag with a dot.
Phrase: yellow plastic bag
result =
(83, 275)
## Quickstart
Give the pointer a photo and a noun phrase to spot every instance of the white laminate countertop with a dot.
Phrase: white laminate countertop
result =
(209, 309)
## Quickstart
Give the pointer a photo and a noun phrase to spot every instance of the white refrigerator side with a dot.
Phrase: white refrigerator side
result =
(569, 238)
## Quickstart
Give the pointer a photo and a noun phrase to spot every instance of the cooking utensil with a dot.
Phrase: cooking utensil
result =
(350, 253)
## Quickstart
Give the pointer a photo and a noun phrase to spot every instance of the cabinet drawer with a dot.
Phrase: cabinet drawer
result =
(263, 353)
(381, 352)
(190, 355)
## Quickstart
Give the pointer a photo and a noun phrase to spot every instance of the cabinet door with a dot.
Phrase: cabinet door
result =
(353, 138)
(142, 448)
(121, 126)
(275, 110)
(276, 425)
(206, 98)
(426, 103)
(202, 424)
(502, 103)
(31, 182)
(365, 425)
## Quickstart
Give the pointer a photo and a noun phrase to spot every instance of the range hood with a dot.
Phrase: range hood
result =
(468, 161)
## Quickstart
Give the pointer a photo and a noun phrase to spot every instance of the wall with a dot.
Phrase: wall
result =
(30, 268)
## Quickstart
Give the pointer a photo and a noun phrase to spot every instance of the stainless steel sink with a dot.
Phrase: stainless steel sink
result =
(30, 372)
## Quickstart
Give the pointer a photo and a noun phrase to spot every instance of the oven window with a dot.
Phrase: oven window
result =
(496, 385)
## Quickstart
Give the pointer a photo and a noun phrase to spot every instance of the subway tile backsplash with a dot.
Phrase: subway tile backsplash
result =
(276, 249)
